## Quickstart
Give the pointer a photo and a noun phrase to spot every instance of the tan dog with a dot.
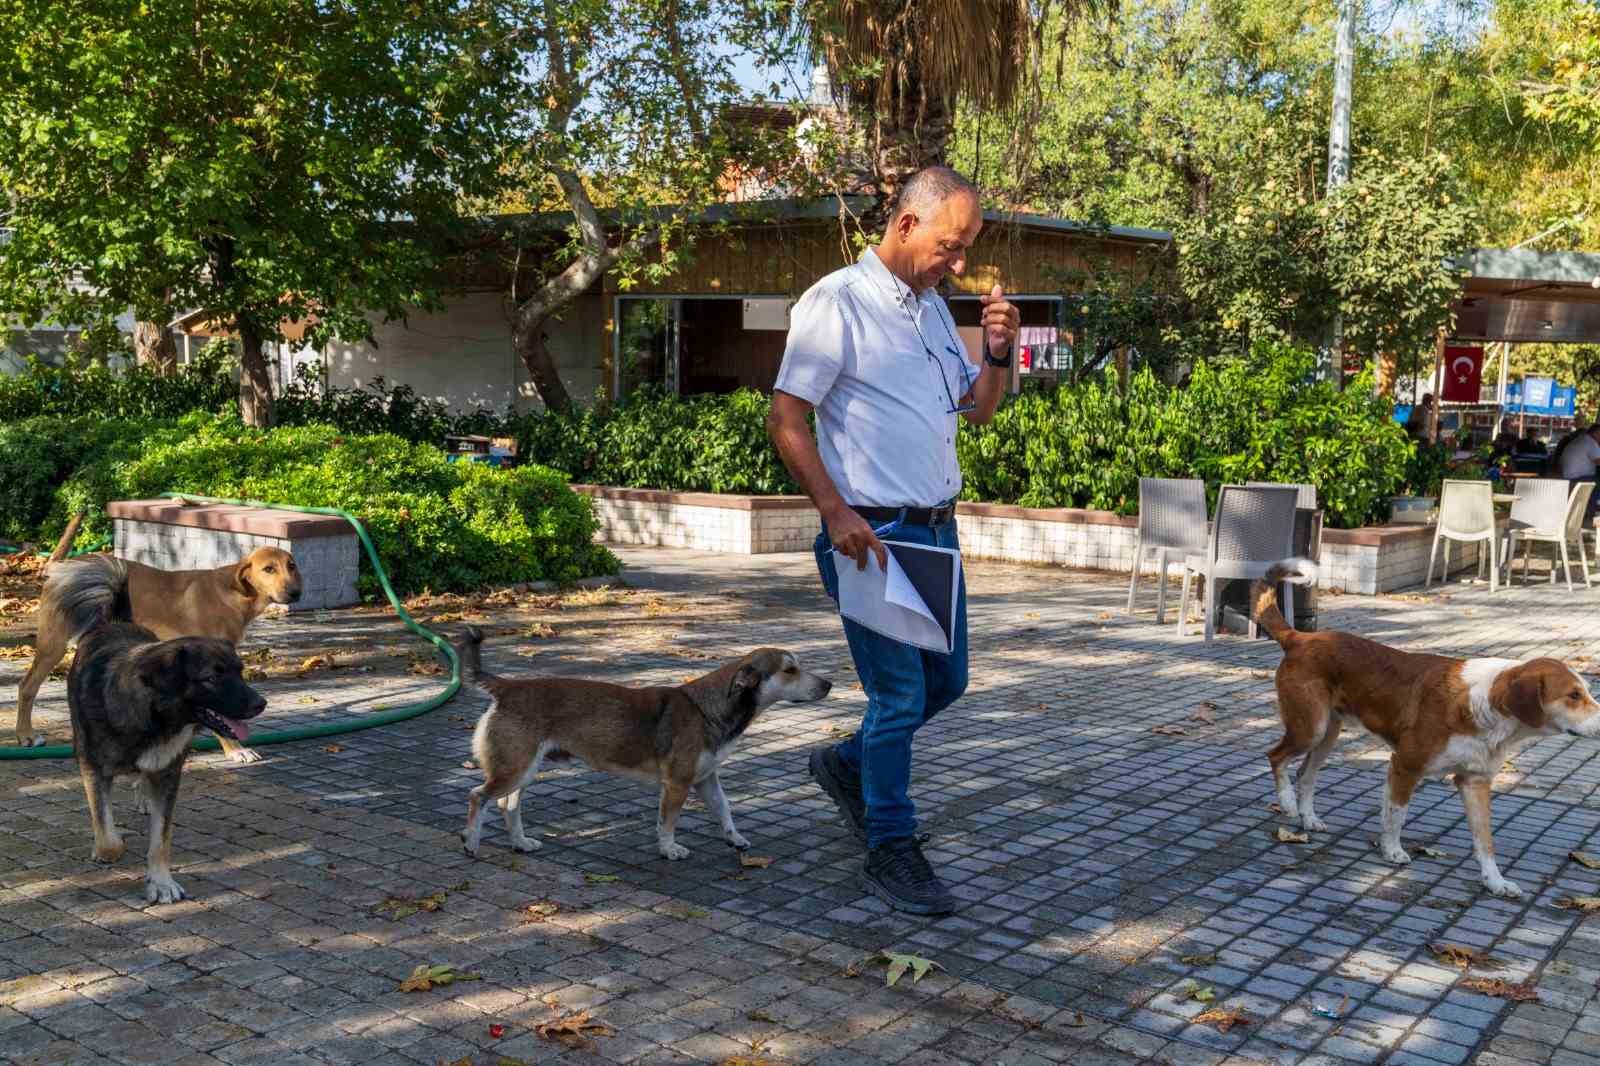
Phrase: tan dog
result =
(1438, 715)
(675, 737)
(216, 603)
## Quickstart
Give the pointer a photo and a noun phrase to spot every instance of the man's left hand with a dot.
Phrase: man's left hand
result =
(1001, 321)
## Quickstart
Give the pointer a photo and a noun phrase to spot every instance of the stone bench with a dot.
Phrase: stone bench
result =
(169, 535)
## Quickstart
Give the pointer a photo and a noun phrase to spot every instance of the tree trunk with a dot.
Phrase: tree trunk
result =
(915, 133)
(255, 380)
(155, 346)
(527, 340)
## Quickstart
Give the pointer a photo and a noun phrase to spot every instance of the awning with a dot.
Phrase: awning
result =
(1528, 296)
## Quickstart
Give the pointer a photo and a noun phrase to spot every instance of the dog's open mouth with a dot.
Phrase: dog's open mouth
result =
(232, 728)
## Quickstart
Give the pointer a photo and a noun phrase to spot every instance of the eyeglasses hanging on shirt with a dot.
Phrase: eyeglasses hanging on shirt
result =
(954, 348)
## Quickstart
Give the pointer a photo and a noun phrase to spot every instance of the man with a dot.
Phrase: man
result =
(1578, 461)
(1417, 421)
(873, 350)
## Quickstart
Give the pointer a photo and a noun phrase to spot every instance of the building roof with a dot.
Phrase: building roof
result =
(1525, 295)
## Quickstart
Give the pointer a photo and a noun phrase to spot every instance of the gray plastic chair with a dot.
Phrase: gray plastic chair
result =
(1254, 528)
(1308, 493)
(1466, 514)
(1539, 513)
(1570, 529)
(1172, 518)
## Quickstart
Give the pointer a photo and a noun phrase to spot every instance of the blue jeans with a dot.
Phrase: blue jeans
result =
(905, 686)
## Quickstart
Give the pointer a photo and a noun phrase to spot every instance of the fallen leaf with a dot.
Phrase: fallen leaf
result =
(1588, 860)
(333, 749)
(538, 912)
(1289, 836)
(842, 734)
(1461, 956)
(1223, 1018)
(1077, 1021)
(308, 699)
(1493, 986)
(748, 1060)
(1203, 717)
(1274, 808)
(1199, 960)
(754, 862)
(600, 879)
(899, 964)
(398, 907)
(1201, 993)
(465, 1060)
(314, 663)
(762, 1016)
(574, 1031)
(1169, 730)
(1587, 904)
(425, 977)
(1433, 853)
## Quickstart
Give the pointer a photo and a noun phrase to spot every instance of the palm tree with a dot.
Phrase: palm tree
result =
(904, 64)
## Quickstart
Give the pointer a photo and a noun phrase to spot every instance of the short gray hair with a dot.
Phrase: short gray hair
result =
(929, 187)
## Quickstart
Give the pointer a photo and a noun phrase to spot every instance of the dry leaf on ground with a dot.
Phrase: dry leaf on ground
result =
(574, 1031)
(538, 912)
(333, 749)
(401, 906)
(599, 879)
(1289, 836)
(1077, 1021)
(1493, 986)
(1587, 904)
(1170, 730)
(1200, 993)
(1199, 960)
(899, 964)
(1462, 956)
(1432, 853)
(1223, 1018)
(313, 664)
(1587, 860)
(754, 862)
(425, 977)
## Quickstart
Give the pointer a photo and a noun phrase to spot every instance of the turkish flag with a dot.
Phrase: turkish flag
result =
(1463, 373)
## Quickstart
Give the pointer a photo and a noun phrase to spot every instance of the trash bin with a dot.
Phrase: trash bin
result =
(1233, 597)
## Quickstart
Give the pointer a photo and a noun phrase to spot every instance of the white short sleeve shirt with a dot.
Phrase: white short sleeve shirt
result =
(884, 367)
(1579, 456)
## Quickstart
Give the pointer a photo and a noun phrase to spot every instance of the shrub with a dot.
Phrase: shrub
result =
(437, 525)
(38, 454)
(1255, 419)
(207, 383)
(381, 408)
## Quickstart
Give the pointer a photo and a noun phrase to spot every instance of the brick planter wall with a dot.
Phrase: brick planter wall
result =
(169, 536)
(1360, 561)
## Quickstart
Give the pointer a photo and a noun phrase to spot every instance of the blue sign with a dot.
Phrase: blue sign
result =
(1536, 392)
(1543, 397)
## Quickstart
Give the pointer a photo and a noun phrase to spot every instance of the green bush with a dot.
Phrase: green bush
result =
(381, 408)
(38, 454)
(208, 383)
(1257, 419)
(437, 525)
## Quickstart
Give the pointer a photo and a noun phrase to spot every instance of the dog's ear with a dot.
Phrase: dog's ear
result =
(745, 680)
(1525, 700)
(166, 670)
(241, 579)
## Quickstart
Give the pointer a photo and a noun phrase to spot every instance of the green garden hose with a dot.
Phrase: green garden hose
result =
(310, 732)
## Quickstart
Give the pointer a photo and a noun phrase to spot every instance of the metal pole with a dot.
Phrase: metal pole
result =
(1344, 61)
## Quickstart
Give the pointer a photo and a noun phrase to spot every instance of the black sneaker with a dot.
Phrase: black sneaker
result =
(897, 873)
(843, 786)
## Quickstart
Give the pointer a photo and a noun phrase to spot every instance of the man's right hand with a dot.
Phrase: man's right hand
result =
(852, 535)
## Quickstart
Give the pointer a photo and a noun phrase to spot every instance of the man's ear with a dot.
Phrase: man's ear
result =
(241, 579)
(1525, 701)
(746, 679)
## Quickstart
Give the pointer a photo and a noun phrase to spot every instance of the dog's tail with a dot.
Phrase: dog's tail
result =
(1264, 596)
(87, 592)
(64, 545)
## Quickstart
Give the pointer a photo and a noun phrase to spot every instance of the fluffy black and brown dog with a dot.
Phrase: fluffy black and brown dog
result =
(136, 704)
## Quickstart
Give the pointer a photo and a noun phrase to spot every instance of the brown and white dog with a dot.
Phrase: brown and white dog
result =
(673, 737)
(1438, 715)
(217, 603)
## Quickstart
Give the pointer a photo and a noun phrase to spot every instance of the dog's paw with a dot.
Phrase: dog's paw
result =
(162, 890)
(111, 852)
(469, 845)
(1395, 854)
(1312, 824)
(34, 741)
(1499, 886)
(736, 839)
(525, 844)
(244, 755)
(674, 851)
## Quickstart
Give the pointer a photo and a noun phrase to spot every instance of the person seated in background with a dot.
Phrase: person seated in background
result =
(1417, 420)
(1505, 442)
(1578, 461)
(1530, 444)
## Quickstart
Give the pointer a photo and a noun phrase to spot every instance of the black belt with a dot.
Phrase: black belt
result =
(914, 516)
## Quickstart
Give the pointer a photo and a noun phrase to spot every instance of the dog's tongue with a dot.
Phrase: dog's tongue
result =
(241, 731)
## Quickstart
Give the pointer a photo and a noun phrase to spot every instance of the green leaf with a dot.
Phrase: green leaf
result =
(898, 964)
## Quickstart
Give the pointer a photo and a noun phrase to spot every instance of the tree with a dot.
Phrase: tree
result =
(634, 130)
(260, 161)
(903, 66)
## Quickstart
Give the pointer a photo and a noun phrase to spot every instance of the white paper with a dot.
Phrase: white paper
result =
(887, 602)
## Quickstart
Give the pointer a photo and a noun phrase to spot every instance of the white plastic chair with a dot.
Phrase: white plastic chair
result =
(1172, 518)
(1466, 514)
(1537, 516)
(1254, 528)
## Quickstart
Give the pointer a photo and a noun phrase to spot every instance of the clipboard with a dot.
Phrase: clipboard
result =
(913, 601)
